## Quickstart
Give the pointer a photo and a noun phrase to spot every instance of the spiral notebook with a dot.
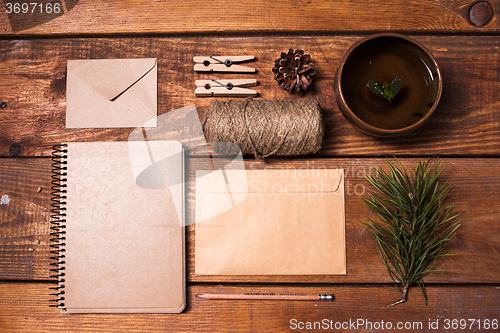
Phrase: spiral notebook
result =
(118, 240)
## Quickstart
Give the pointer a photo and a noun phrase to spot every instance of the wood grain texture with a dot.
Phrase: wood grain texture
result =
(473, 195)
(476, 247)
(466, 122)
(24, 307)
(195, 16)
(24, 220)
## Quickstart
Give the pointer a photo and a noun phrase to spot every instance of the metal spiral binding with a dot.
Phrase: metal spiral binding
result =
(58, 223)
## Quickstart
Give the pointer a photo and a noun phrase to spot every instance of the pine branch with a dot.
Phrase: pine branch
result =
(410, 236)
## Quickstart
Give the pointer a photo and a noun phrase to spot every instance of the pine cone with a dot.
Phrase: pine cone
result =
(294, 70)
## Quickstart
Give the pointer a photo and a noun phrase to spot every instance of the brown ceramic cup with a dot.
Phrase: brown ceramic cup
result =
(382, 58)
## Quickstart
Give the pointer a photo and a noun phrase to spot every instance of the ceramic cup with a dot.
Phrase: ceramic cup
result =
(382, 58)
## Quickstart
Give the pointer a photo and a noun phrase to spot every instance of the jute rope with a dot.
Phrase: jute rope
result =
(266, 127)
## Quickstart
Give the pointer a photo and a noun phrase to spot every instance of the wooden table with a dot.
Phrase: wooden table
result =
(464, 131)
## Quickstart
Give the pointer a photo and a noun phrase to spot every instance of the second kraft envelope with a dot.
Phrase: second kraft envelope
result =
(270, 222)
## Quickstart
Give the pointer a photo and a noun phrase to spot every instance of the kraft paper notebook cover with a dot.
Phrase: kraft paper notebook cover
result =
(270, 222)
(121, 241)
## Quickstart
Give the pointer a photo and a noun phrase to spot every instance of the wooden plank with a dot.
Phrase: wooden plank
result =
(33, 85)
(474, 181)
(476, 247)
(24, 218)
(24, 307)
(196, 16)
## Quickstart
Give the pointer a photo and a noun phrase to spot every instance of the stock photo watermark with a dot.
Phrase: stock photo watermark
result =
(24, 15)
(352, 179)
(429, 324)
(225, 181)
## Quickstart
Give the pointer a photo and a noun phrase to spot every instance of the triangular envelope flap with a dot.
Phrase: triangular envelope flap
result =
(274, 181)
(111, 77)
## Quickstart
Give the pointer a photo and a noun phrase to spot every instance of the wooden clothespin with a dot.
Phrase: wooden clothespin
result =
(225, 88)
(222, 64)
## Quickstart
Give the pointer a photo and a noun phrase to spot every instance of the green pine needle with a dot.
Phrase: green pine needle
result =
(412, 231)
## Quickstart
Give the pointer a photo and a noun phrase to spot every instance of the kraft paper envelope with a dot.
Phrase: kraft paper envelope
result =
(270, 222)
(103, 93)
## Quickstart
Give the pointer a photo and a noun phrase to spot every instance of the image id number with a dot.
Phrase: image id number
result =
(462, 324)
(32, 8)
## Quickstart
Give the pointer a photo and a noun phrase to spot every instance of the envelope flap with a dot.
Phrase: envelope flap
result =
(275, 181)
(111, 77)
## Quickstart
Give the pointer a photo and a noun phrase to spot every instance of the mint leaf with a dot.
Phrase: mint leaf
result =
(397, 83)
(375, 88)
(387, 91)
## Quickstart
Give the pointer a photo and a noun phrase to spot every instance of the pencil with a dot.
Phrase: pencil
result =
(269, 296)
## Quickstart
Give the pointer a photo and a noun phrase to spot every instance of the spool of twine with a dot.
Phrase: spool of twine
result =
(266, 127)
